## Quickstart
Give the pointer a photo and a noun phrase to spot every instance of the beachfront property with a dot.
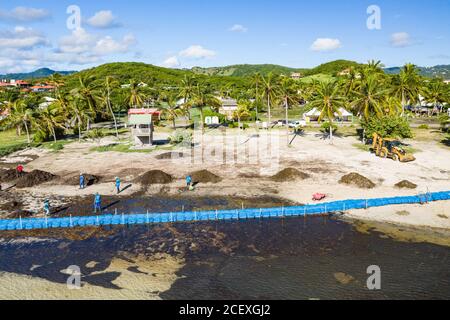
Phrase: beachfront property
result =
(229, 106)
(343, 115)
(42, 87)
(141, 122)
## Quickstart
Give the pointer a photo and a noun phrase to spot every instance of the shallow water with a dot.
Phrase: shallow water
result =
(255, 259)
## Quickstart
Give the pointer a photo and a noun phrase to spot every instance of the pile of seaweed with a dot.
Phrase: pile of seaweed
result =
(155, 177)
(205, 176)
(290, 174)
(405, 184)
(358, 180)
(34, 178)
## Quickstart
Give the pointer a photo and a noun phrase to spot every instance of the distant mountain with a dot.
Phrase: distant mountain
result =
(40, 73)
(245, 70)
(442, 71)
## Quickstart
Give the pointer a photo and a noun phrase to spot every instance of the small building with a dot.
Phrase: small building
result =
(229, 106)
(296, 75)
(447, 81)
(141, 122)
(42, 88)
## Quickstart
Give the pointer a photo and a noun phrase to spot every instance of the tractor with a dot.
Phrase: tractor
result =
(390, 148)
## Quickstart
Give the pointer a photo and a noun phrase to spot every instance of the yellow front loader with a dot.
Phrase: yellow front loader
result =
(390, 148)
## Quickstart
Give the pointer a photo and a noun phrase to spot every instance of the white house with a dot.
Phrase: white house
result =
(314, 114)
(48, 101)
(229, 106)
(141, 123)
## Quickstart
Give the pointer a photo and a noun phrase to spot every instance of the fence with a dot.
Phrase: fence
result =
(217, 215)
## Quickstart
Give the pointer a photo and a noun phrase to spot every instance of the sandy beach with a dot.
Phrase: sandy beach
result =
(321, 163)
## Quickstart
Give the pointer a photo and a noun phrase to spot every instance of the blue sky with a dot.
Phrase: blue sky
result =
(186, 33)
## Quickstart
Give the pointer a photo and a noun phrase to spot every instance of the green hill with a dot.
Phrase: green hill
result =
(245, 70)
(152, 75)
(332, 68)
(40, 73)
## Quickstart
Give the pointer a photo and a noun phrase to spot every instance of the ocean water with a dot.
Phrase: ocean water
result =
(296, 258)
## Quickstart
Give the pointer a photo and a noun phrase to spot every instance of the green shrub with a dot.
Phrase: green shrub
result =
(326, 127)
(387, 127)
(424, 127)
(180, 136)
(95, 134)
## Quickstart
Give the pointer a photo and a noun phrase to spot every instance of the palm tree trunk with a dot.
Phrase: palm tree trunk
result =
(331, 132)
(112, 113)
(174, 123)
(79, 128)
(28, 133)
(54, 134)
(268, 109)
(286, 106)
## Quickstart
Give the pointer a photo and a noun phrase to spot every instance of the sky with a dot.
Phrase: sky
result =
(187, 33)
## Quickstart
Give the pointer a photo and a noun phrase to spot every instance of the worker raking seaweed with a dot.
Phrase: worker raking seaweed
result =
(118, 185)
(82, 181)
(97, 203)
(189, 183)
(47, 207)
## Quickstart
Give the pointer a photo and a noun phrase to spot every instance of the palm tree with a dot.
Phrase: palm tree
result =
(50, 119)
(87, 92)
(135, 97)
(171, 109)
(110, 83)
(20, 117)
(391, 105)
(328, 101)
(187, 90)
(202, 99)
(288, 96)
(270, 92)
(435, 93)
(78, 113)
(256, 81)
(406, 85)
(368, 97)
(56, 81)
(242, 111)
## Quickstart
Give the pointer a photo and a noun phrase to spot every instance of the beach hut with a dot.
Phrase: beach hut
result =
(141, 122)
(342, 115)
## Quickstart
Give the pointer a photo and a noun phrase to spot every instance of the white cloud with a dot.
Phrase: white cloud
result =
(78, 41)
(238, 28)
(108, 45)
(22, 38)
(197, 52)
(24, 14)
(401, 40)
(171, 62)
(103, 19)
(326, 44)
